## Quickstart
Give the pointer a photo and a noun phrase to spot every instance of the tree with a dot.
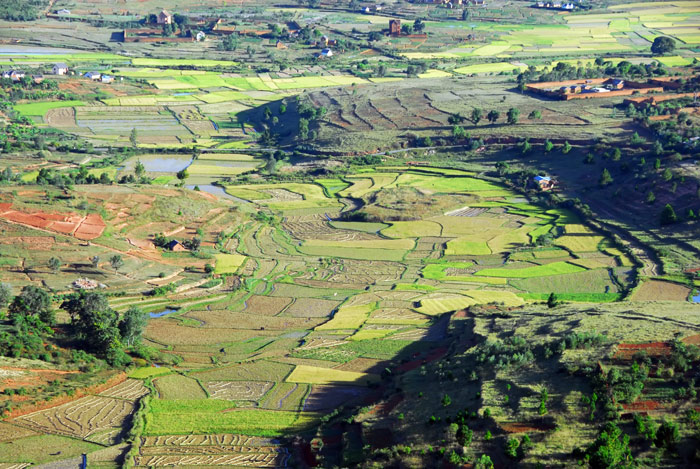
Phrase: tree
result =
(446, 400)
(512, 446)
(667, 174)
(651, 197)
(657, 164)
(663, 45)
(552, 300)
(566, 148)
(605, 178)
(182, 174)
(54, 264)
(96, 325)
(525, 147)
(132, 325)
(610, 449)
(95, 261)
(668, 215)
(418, 25)
(536, 114)
(5, 294)
(548, 146)
(477, 114)
(484, 462)
(458, 132)
(134, 137)
(513, 115)
(139, 169)
(455, 119)
(32, 302)
(406, 29)
(493, 116)
(116, 262)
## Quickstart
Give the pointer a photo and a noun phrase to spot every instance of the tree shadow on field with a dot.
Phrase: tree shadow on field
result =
(341, 438)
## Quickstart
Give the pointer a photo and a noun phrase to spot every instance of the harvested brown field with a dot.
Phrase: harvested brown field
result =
(130, 389)
(311, 307)
(80, 418)
(226, 318)
(658, 290)
(226, 439)
(237, 390)
(266, 305)
(10, 432)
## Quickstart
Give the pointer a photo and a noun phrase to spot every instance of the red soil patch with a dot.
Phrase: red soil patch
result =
(90, 227)
(642, 406)
(692, 340)
(5, 207)
(652, 349)
(462, 314)
(523, 427)
(63, 227)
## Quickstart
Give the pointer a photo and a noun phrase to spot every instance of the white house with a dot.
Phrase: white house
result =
(63, 12)
(107, 79)
(200, 36)
(93, 75)
(59, 69)
(14, 75)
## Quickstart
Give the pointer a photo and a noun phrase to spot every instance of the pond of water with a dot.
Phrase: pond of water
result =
(162, 313)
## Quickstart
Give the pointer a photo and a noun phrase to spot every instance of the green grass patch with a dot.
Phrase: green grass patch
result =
(182, 417)
(348, 317)
(580, 297)
(40, 109)
(466, 247)
(228, 263)
(148, 372)
(555, 268)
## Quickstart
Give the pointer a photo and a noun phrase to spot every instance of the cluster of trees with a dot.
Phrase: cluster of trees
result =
(100, 329)
(511, 352)
(30, 317)
(26, 10)
(94, 325)
(600, 69)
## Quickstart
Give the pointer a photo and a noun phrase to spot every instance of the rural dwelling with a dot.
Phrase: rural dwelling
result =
(59, 69)
(14, 75)
(200, 36)
(164, 17)
(107, 78)
(545, 183)
(326, 53)
(280, 45)
(176, 246)
(395, 27)
(63, 12)
(93, 75)
(37, 78)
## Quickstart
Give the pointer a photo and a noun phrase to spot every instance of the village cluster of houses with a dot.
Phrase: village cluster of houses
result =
(568, 6)
(615, 84)
(58, 69)
(452, 3)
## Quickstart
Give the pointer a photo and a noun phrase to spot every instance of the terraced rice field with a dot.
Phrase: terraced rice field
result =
(329, 305)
